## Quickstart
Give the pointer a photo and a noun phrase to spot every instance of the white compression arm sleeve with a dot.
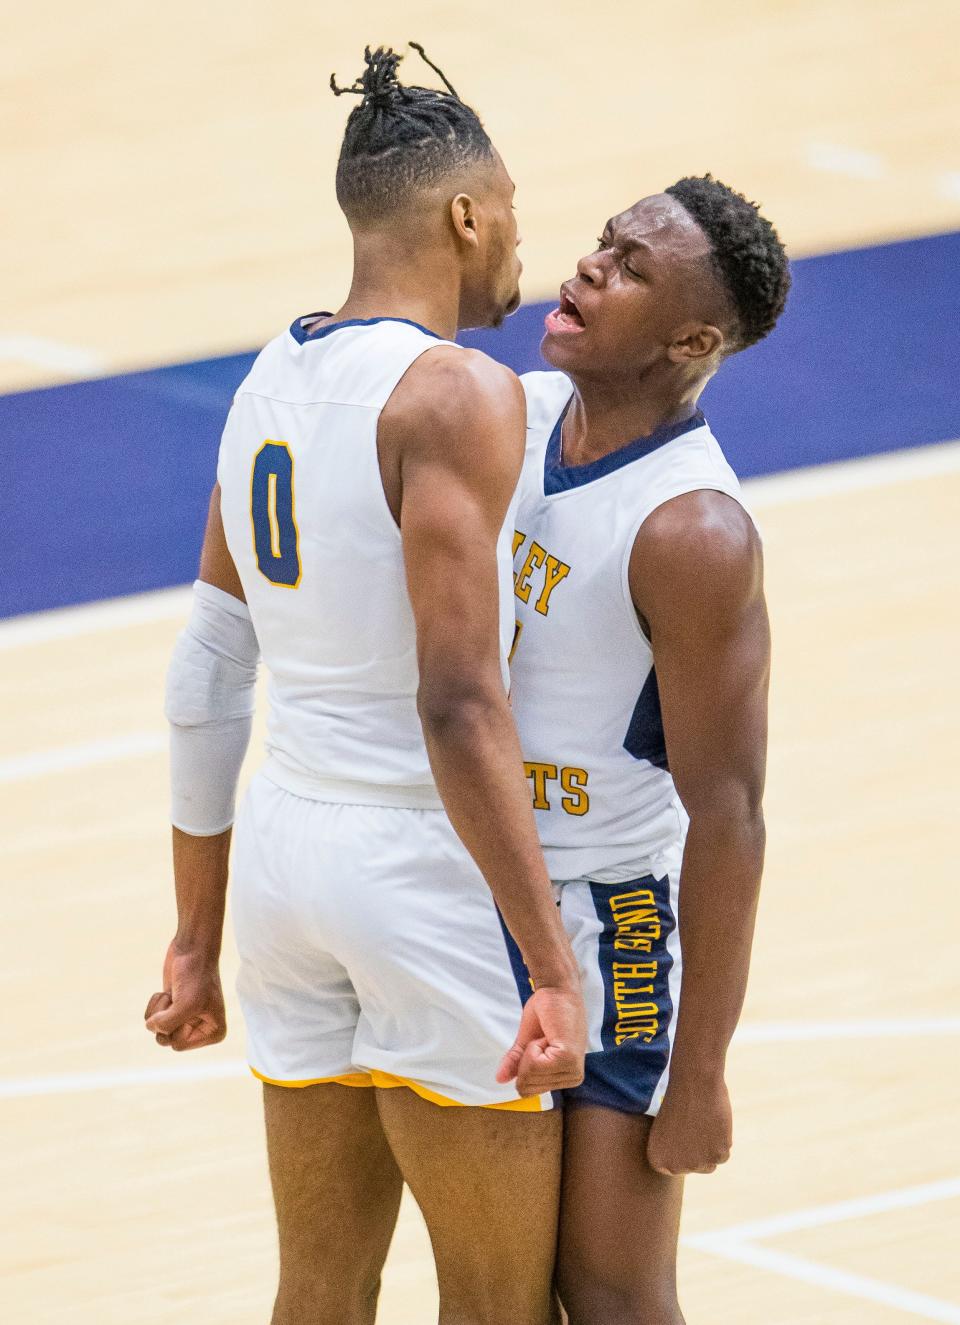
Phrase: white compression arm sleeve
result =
(209, 705)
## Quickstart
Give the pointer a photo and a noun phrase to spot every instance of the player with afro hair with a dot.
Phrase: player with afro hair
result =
(639, 687)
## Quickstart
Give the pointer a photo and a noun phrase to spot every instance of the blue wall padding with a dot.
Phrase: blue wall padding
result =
(107, 481)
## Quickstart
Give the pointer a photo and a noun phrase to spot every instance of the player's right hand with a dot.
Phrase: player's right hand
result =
(188, 1013)
(550, 1045)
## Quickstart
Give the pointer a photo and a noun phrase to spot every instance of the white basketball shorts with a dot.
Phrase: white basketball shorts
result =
(371, 951)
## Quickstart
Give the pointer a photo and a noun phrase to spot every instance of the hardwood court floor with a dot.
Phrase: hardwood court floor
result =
(169, 169)
(134, 1182)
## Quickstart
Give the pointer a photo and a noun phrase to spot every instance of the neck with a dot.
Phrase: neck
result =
(605, 416)
(395, 275)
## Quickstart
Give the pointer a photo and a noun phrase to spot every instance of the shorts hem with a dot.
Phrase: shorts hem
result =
(389, 1081)
(520, 1104)
(573, 1100)
(341, 1079)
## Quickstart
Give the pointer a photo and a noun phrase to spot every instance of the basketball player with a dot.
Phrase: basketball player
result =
(360, 539)
(639, 689)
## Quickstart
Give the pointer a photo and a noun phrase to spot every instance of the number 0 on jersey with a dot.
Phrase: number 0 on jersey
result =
(276, 539)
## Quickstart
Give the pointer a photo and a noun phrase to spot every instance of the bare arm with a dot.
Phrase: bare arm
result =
(456, 428)
(696, 580)
(216, 564)
(188, 1012)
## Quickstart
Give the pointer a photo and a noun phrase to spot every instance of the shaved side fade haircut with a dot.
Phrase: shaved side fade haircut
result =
(401, 139)
(746, 253)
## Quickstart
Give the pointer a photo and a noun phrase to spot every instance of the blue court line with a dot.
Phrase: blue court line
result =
(106, 481)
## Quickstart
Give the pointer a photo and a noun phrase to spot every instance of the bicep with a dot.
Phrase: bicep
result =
(711, 645)
(458, 432)
(216, 564)
(450, 525)
(713, 694)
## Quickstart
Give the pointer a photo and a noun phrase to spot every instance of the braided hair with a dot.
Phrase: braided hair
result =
(746, 254)
(401, 139)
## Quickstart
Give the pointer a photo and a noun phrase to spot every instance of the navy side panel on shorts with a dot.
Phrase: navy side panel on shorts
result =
(637, 919)
(517, 964)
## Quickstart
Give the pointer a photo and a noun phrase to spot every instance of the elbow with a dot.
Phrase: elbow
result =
(450, 707)
(738, 814)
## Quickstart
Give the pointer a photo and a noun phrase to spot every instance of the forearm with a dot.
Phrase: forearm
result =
(200, 875)
(475, 756)
(719, 887)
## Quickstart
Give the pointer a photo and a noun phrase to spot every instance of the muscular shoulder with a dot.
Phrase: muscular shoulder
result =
(456, 394)
(701, 550)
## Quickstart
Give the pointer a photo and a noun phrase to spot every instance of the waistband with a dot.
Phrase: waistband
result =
(609, 861)
(347, 791)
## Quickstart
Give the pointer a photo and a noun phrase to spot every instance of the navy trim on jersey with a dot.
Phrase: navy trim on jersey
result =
(301, 336)
(558, 477)
(645, 738)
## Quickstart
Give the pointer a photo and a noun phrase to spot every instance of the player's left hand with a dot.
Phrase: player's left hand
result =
(188, 1013)
(693, 1132)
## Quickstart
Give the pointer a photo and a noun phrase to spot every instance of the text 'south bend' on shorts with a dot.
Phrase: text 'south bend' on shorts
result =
(626, 943)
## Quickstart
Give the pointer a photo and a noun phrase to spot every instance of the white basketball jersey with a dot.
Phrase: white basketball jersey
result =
(584, 688)
(320, 559)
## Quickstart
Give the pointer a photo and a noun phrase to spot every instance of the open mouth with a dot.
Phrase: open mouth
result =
(566, 319)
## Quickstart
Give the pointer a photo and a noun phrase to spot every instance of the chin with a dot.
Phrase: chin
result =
(557, 353)
(572, 356)
(498, 318)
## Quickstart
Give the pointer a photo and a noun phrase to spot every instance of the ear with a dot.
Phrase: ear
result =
(463, 214)
(695, 340)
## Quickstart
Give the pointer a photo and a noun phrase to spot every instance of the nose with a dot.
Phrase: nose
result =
(590, 269)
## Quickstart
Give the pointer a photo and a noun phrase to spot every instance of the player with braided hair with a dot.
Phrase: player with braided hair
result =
(359, 539)
(402, 139)
(639, 690)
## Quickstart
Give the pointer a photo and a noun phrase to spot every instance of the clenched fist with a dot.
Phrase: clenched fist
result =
(693, 1132)
(189, 1012)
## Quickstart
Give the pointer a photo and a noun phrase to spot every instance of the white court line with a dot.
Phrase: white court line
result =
(43, 353)
(850, 161)
(189, 1069)
(68, 622)
(71, 1083)
(837, 1212)
(64, 758)
(787, 1032)
(739, 1244)
(774, 490)
(918, 1305)
(875, 471)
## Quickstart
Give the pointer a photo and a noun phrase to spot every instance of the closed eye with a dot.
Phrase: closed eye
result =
(603, 243)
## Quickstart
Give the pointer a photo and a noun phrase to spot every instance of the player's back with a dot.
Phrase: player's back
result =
(320, 558)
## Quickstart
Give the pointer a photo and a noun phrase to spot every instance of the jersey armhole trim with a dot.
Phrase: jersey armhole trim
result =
(394, 524)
